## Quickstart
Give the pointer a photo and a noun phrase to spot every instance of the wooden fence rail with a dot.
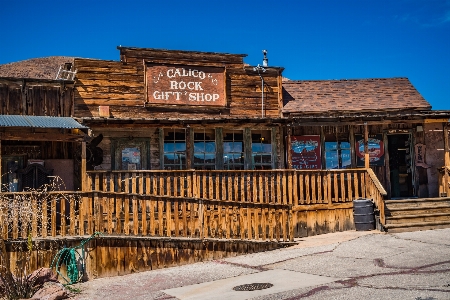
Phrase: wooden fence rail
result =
(294, 187)
(79, 214)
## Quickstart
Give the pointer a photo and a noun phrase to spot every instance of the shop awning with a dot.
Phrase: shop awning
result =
(40, 122)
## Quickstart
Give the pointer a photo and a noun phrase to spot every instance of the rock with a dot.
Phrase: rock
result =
(43, 275)
(51, 291)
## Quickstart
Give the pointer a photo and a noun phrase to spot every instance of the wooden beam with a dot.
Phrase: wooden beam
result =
(352, 146)
(386, 161)
(189, 148)
(1, 174)
(446, 147)
(366, 147)
(288, 147)
(83, 167)
(41, 136)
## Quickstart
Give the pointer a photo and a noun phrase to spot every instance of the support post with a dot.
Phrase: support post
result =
(289, 146)
(1, 161)
(366, 147)
(446, 147)
(83, 167)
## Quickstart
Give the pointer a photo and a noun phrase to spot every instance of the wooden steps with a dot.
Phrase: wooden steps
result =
(417, 214)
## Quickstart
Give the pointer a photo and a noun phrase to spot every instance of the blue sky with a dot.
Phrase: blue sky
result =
(331, 39)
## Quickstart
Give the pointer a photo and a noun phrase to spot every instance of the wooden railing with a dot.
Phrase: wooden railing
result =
(78, 214)
(444, 181)
(376, 192)
(255, 205)
(292, 187)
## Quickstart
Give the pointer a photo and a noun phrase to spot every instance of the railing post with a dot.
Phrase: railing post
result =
(366, 147)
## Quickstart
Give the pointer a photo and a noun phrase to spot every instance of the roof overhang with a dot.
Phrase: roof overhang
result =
(41, 128)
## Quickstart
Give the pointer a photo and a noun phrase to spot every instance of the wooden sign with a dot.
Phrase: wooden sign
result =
(185, 85)
(305, 152)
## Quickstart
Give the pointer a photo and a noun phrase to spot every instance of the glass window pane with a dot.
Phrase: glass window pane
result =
(233, 149)
(331, 146)
(204, 149)
(261, 149)
(332, 160)
(346, 159)
(174, 149)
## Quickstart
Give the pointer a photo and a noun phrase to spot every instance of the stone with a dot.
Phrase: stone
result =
(43, 275)
(51, 291)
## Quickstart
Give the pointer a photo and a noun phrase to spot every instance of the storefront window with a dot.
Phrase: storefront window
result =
(233, 149)
(204, 150)
(337, 152)
(261, 149)
(174, 149)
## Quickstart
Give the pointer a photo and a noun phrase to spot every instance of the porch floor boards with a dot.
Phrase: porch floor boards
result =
(417, 214)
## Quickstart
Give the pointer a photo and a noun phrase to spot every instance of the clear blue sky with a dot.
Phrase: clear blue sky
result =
(330, 39)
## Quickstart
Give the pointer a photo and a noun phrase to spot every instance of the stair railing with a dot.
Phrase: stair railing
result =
(376, 191)
(444, 181)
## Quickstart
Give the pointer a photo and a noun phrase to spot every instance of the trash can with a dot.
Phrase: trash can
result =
(363, 214)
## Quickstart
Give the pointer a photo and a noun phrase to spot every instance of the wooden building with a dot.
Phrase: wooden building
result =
(171, 110)
(406, 140)
(38, 135)
(164, 145)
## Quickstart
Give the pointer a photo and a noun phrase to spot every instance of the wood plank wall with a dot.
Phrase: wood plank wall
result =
(36, 97)
(107, 256)
(120, 85)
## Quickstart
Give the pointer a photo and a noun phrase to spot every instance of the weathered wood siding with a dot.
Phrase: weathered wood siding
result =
(121, 86)
(108, 256)
(36, 97)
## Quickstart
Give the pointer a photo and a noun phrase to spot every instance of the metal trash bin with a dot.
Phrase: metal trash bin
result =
(363, 214)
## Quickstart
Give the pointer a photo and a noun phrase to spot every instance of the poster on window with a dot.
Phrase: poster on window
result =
(376, 150)
(131, 159)
(305, 152)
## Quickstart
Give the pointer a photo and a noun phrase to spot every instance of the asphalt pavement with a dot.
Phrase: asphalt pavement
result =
(343, 265)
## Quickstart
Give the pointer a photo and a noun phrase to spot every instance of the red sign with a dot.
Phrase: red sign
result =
(305, 152)
(375, 147)
(185, 85)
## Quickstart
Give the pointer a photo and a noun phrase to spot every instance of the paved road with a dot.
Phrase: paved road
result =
(347, 265)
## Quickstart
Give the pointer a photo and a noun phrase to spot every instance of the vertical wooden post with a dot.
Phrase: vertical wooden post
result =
(352, 145)
(219, 149)
(446, 147)
(446, 160)
(83, 167)
(1, 171)
(366, 147)
(288, 147)
(386, 161)
(189, 150)
(248, 162)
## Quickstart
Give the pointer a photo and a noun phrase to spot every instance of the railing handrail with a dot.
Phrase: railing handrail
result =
(377, 183)
(228, 171)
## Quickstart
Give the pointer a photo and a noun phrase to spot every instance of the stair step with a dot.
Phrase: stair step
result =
(405, 227)
(417, 210)
(392, 204)
(418, 218)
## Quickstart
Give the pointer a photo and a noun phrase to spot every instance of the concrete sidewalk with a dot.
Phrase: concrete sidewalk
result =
(343, 265)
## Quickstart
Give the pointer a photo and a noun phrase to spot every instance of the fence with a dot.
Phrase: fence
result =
(78, 214)
(294, 187)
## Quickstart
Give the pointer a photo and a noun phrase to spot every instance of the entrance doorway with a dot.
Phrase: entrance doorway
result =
(400, 165)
